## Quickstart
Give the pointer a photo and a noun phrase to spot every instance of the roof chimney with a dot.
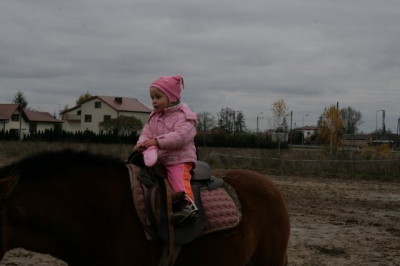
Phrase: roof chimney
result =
(118, 100)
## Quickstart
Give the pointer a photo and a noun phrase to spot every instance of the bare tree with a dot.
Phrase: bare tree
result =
(232, 121)
(240, 124)
(205, 121)
(352, 119)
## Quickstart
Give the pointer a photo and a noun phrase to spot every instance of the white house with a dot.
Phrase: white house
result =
(96, 109)
(26, 121)
(307, 132)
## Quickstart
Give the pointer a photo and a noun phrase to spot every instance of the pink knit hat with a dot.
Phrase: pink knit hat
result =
(171, 86)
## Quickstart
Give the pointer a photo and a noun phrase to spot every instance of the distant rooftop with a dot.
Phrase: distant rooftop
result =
(123, 104)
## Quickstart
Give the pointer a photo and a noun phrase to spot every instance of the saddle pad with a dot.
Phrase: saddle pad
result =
(221, 206)
(220, 210)
(139, 200)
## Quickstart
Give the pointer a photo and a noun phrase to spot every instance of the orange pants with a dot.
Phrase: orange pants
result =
(179, 178)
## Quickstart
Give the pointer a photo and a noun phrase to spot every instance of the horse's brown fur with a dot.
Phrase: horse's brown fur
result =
(84, 215)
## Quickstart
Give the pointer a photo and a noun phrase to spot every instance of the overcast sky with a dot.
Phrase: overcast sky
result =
(244, 55)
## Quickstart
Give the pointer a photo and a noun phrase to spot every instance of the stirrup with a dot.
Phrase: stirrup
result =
(187, 215)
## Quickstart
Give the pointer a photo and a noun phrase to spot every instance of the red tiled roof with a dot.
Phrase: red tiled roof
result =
(6, 110)
(33, 116)
(126, 104)
(70, 109)
(308, 128)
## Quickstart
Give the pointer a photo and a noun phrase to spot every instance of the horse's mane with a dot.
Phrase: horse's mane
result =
(38, 164)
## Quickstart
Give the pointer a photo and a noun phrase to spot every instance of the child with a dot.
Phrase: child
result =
(168, 138)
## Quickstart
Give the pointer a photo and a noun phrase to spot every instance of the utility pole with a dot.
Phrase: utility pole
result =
(291, 132)
(398, 126)
(376, 122)
(20, 122)
(257, 120)
(302, 129)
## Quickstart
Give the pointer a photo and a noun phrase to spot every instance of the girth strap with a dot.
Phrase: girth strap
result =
(165, 259)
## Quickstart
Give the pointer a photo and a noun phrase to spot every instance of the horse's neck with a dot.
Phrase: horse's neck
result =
(55, 217)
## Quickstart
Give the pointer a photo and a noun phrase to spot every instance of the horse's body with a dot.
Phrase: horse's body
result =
(78, 207)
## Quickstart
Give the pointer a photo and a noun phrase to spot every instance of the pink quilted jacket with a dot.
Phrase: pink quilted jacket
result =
(174, 130)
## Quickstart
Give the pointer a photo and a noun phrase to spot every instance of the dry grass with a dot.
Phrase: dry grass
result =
(303, 162)
(307, 162)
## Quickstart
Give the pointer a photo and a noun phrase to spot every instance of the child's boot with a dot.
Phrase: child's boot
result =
(186, 215)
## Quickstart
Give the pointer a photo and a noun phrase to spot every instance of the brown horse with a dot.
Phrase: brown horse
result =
(78, 207)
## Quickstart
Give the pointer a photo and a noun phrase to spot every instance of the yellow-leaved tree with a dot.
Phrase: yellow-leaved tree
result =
(279, 121)
(331, 129)
(83, 98)
(281, 112)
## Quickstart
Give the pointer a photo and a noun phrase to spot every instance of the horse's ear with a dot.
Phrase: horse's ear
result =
(7, 185)
(136, 158)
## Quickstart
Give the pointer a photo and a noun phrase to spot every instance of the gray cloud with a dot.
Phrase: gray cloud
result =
(243, 56)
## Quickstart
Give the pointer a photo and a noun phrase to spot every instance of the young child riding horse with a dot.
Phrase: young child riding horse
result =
(168, 139)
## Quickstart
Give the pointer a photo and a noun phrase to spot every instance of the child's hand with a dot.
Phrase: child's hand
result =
(139, 147)
(145, 144)
(150, 142)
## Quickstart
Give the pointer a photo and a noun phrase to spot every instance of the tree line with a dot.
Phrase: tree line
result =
(58, 135)
(229, 127)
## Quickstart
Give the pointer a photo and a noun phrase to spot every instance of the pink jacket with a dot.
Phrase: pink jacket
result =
(174, 130)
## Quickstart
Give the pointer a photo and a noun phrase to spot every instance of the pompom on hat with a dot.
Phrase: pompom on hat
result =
(171, 86)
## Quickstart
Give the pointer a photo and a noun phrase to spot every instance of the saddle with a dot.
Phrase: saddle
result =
(218, 205)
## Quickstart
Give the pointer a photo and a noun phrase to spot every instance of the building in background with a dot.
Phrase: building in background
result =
(23, 122)
(307, 133)
(97, 109)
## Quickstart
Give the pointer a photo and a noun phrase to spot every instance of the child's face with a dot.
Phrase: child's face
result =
(160, 101)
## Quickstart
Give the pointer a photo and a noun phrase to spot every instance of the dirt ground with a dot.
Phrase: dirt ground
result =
(342, 222)
(333, 222)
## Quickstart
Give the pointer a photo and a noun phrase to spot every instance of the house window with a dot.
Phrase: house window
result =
(97, 104)
(32, 127)
(107, 117)
(15, 117)
(88, 118)
(79, 112)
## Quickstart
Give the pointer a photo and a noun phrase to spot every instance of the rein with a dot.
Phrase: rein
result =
(170, 226)
(170, 249)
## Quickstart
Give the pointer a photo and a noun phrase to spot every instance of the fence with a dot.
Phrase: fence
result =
(295, 162)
